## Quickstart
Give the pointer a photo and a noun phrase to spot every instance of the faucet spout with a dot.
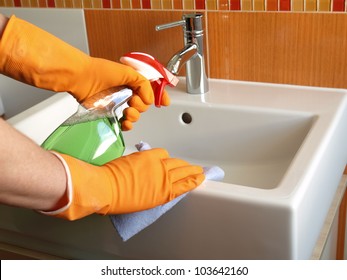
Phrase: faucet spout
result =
(181, 57)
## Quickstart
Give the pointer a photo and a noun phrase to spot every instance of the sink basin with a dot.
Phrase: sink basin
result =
(282, 150)
(254, 146)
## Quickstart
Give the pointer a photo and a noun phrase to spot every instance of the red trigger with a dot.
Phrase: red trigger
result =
(158, 89)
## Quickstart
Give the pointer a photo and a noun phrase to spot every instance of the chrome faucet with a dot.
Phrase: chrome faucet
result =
(192, 54)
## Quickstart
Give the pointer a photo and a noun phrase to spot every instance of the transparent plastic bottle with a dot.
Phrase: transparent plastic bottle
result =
(93, 134)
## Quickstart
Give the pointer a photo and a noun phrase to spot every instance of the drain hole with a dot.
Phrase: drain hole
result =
(186, 118)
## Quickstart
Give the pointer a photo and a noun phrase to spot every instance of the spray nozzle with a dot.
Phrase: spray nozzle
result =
(152, 70)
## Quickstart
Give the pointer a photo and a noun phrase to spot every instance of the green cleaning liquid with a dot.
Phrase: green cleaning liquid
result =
(97, 142)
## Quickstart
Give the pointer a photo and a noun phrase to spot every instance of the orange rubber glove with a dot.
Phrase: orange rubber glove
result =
(130, 183)
(36, 57)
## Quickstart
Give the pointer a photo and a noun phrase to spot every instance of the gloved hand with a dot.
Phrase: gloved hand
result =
(130, 183)
(36, 57)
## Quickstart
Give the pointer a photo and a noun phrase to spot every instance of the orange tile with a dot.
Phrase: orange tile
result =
(69, 4)
(167, 4)
(87, 4)
(272, 5)
(115, 4)
(297, 5)
(311, 5)
(178, 4)
(59, 4)
(34, 3)
(78, 3)
(97, 4)
(324, 5)
(246, 5)
(188, 4)
(156, 4)
(125, 4)
(42, 3)
(136, 4)
(259, 5)
(223, 5)
(211, 4)
(25, 3)
(8, 3)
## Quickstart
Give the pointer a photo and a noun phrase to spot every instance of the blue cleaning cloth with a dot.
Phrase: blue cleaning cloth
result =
(127, 225)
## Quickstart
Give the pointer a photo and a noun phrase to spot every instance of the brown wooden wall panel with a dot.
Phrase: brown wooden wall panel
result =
(290, 48)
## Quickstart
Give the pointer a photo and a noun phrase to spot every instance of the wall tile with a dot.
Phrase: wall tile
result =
(155, 4)
(146, 4)
(311, 5)
(297, 5)
(259, 5)
(126, 4)
(246, 5)
(178, 4)
(188, 4)
(224, 4)
(324, 5)
(136, 4)
(167, 5)
(272, 5)
(211, 5)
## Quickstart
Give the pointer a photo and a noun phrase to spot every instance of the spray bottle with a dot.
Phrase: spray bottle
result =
(93, 133)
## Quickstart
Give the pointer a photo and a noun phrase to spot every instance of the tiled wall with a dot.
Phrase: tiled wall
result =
(244, 5)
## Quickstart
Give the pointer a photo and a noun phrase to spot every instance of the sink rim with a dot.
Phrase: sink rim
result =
(62, 105)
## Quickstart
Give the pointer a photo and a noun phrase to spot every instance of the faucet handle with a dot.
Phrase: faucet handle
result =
(170, 25)
(191, 23)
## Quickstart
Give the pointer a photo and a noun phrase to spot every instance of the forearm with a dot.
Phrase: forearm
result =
(30, 176)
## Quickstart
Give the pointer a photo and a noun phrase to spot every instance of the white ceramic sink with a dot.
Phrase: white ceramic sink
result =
(281, 147)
